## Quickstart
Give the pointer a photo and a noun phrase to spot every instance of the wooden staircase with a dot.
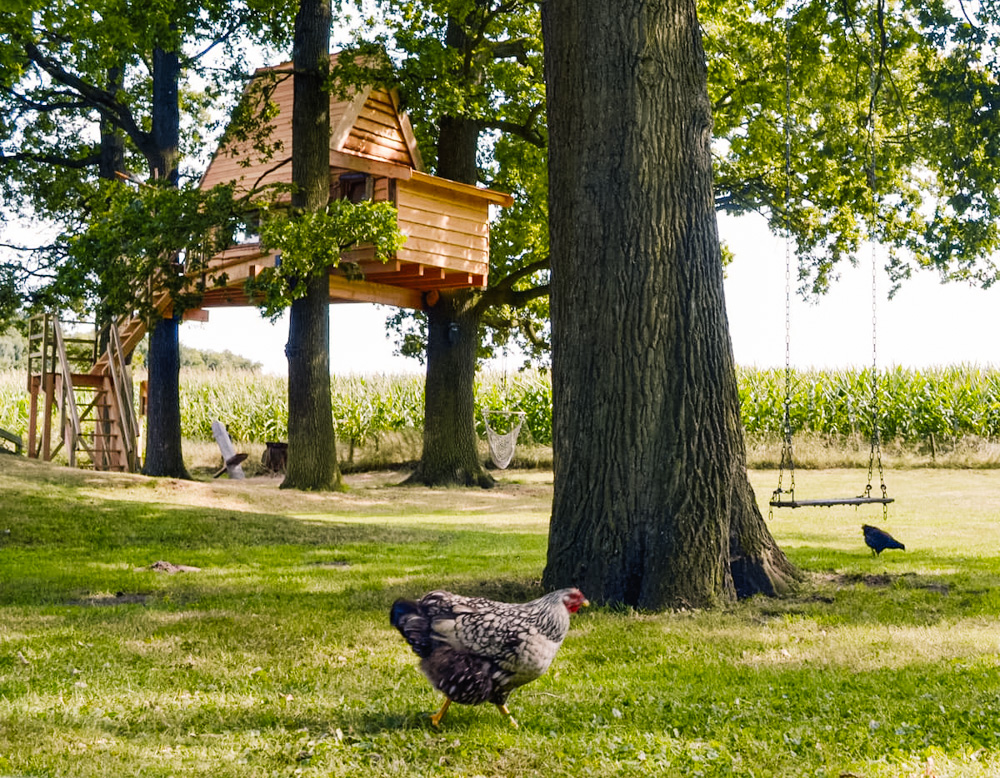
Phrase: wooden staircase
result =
(85, 393)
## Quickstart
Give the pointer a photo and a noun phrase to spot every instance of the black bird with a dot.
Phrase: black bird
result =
(879, 540)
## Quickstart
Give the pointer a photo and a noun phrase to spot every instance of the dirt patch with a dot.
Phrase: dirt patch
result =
(884, 580)
(168, 567)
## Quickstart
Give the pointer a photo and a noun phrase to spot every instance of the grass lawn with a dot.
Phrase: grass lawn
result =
(275, 656)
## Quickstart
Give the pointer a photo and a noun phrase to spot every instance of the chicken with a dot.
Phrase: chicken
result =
(475, 650)
(879, 540)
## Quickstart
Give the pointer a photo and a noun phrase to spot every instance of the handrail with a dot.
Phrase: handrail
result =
(136, 327)
(66, 396)
(121, 381)
(106, 428)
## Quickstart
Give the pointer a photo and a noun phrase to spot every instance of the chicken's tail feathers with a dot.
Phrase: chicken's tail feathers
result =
(400, 610)
(408, 617)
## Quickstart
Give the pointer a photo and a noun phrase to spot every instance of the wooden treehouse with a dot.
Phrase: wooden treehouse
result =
(81, 393)
(373, 155)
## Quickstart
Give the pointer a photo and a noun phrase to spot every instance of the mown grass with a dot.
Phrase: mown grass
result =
(276, 658)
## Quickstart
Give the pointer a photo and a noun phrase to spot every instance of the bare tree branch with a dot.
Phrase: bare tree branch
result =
(74, 163)
(516, 48)
(503, 293)
(39, 107)
(187, 61)
(527, 131)
(100, 99)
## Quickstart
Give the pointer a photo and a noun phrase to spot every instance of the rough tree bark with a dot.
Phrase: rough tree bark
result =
(112, 138)
(449, 454)
(312, 455)
(163, 439)
(652, 505)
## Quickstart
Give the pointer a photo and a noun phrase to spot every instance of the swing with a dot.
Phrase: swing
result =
(782, 498)
(502, 444)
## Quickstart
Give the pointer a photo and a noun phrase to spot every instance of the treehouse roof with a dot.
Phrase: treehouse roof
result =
(366, 125)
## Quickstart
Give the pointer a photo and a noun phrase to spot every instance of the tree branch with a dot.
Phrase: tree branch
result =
(520, 298)
(503, 293)
(38, 107)
(523, 272)
(187, 61)
(516, 48)
(277, 166)
(527, 130)
(100, 99)
(73, 163)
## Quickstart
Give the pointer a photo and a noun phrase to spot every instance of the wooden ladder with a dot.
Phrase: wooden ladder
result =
(88, 396)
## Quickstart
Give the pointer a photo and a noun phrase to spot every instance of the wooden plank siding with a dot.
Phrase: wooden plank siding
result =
(376, 131)
(240, 161)
(445, 226)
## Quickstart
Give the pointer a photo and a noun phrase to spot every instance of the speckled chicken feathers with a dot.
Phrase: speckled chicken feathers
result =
(474, 649)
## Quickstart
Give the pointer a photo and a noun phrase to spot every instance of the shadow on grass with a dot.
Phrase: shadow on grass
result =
(62, 547)
(54, 522)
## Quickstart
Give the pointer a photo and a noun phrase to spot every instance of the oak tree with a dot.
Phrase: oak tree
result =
(91, 88)
(470, 71)
(652, 504)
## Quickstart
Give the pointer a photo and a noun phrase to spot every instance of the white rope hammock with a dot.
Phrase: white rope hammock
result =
(502, 445)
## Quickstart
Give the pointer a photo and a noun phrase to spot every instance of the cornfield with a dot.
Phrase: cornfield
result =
(911, 406)
(14, 402)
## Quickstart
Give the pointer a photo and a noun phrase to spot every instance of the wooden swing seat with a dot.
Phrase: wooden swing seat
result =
(793, 503)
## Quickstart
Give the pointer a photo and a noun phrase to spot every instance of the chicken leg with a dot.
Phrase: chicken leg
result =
(436, 717)
(506, 712)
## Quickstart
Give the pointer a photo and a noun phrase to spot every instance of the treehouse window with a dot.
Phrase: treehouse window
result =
(357, 187)
(248, 230)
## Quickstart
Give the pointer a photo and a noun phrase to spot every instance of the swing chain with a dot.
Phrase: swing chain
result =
(786, 446)
(876, 448)
(875, 455)
(876, 445)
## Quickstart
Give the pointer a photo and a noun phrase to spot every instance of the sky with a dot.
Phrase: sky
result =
(926, 324)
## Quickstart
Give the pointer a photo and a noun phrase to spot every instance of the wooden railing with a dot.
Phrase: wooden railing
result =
(103, 424)
(121, 381)
(69, 416)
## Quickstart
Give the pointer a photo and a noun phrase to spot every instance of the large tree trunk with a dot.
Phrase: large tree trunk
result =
(110, 166)
(652, 506)
(112, 138)
(312, 453)
(163, 440)
(450, 455)
(312, 456)
(163, 421)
